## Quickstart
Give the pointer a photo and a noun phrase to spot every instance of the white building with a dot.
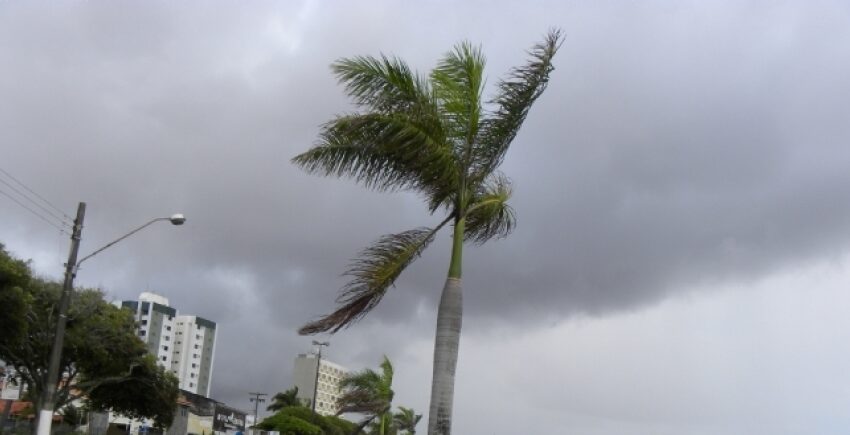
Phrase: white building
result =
(194, 347)
(328, 391)
(183, 344)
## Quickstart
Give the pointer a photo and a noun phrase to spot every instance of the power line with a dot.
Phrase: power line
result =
(68, 218)
(61, 230)
(22, 195)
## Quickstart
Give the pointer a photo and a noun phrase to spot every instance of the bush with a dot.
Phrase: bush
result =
(299, 420)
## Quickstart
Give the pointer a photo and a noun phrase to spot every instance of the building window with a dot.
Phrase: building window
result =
(144, 322)
(142, 333)
(167, 338)
(163, 357)
(164, 347)
(197, 347)
(168, 328)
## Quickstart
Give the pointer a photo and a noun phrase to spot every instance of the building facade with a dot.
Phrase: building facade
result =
(183, 344)
(328, 391)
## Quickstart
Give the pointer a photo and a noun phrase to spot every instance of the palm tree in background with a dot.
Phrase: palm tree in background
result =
(285, 399)
(406, 419)
(369, 393)
(433, 135)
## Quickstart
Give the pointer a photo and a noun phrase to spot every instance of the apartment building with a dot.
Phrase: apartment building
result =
(184, 344)
(328, 391)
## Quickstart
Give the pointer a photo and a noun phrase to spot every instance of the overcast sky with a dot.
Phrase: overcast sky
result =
(682, 256)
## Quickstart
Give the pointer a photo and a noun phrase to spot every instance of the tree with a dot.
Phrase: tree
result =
(406, 419)
(102, 358)
(298, 420)
(284, 399)
(15, 276)
(432, 135)
(369, 393)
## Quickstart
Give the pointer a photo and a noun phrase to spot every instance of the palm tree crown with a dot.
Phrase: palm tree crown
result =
(285, 399)
(432, 135)
(370, 393)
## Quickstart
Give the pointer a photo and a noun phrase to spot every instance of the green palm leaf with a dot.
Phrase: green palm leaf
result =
(372, 273)
(458, 83)
(490, 215)
(516, 95)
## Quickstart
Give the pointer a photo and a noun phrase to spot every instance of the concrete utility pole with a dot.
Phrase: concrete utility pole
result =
(45, 414)
(257, 399)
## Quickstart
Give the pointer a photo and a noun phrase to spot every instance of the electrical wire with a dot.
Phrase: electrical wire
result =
(22, 195)
(61, 230)
(66, 217)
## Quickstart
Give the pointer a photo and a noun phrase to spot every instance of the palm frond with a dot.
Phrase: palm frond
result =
(458, 81)
(373, 272)
(490, 215)
(383, 152)
(384, 84)
(515, 97)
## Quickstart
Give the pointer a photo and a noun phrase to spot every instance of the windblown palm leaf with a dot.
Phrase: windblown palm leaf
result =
(373, 272)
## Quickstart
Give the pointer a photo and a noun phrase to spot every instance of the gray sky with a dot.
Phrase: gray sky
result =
(682, 190)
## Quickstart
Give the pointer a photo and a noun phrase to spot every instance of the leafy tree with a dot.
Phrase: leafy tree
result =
(15, 276)
(285, 399)
(406, 420)
(300, 420)
(102, 358)
(432, 135)
(369, 393)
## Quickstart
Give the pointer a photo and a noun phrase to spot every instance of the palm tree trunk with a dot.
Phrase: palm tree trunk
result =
(449, 319)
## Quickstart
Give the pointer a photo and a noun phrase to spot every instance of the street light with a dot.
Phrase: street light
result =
(320, 344)
(45, 414)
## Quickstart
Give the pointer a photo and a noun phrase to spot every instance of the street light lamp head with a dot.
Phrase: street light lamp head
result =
(177, 219)
(321, 343)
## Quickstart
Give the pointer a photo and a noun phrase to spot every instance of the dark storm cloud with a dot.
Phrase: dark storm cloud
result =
(678, 144)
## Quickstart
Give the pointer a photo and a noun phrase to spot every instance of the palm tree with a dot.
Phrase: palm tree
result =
(285, 399)
(406, 419)
(369, 393)
(435, 136)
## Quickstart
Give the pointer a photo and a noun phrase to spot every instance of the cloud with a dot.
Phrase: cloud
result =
(678, 147)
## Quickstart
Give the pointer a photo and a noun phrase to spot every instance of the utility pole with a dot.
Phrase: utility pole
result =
(320, 344)
(45, 414)
(257, 399)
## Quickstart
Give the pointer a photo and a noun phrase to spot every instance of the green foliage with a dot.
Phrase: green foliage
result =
(434, 135)
(147, 390)
(300, 420)
(406, 420)
(369, 393)
(340, 426)
(102, 357)
(15, 276)
(289, 425)
(285, 399)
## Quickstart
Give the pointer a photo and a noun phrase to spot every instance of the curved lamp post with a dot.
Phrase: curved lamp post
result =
(45, 413)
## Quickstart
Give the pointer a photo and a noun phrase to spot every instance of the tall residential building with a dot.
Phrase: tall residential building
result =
(328, 391)
(183, 344)
(194, 347)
